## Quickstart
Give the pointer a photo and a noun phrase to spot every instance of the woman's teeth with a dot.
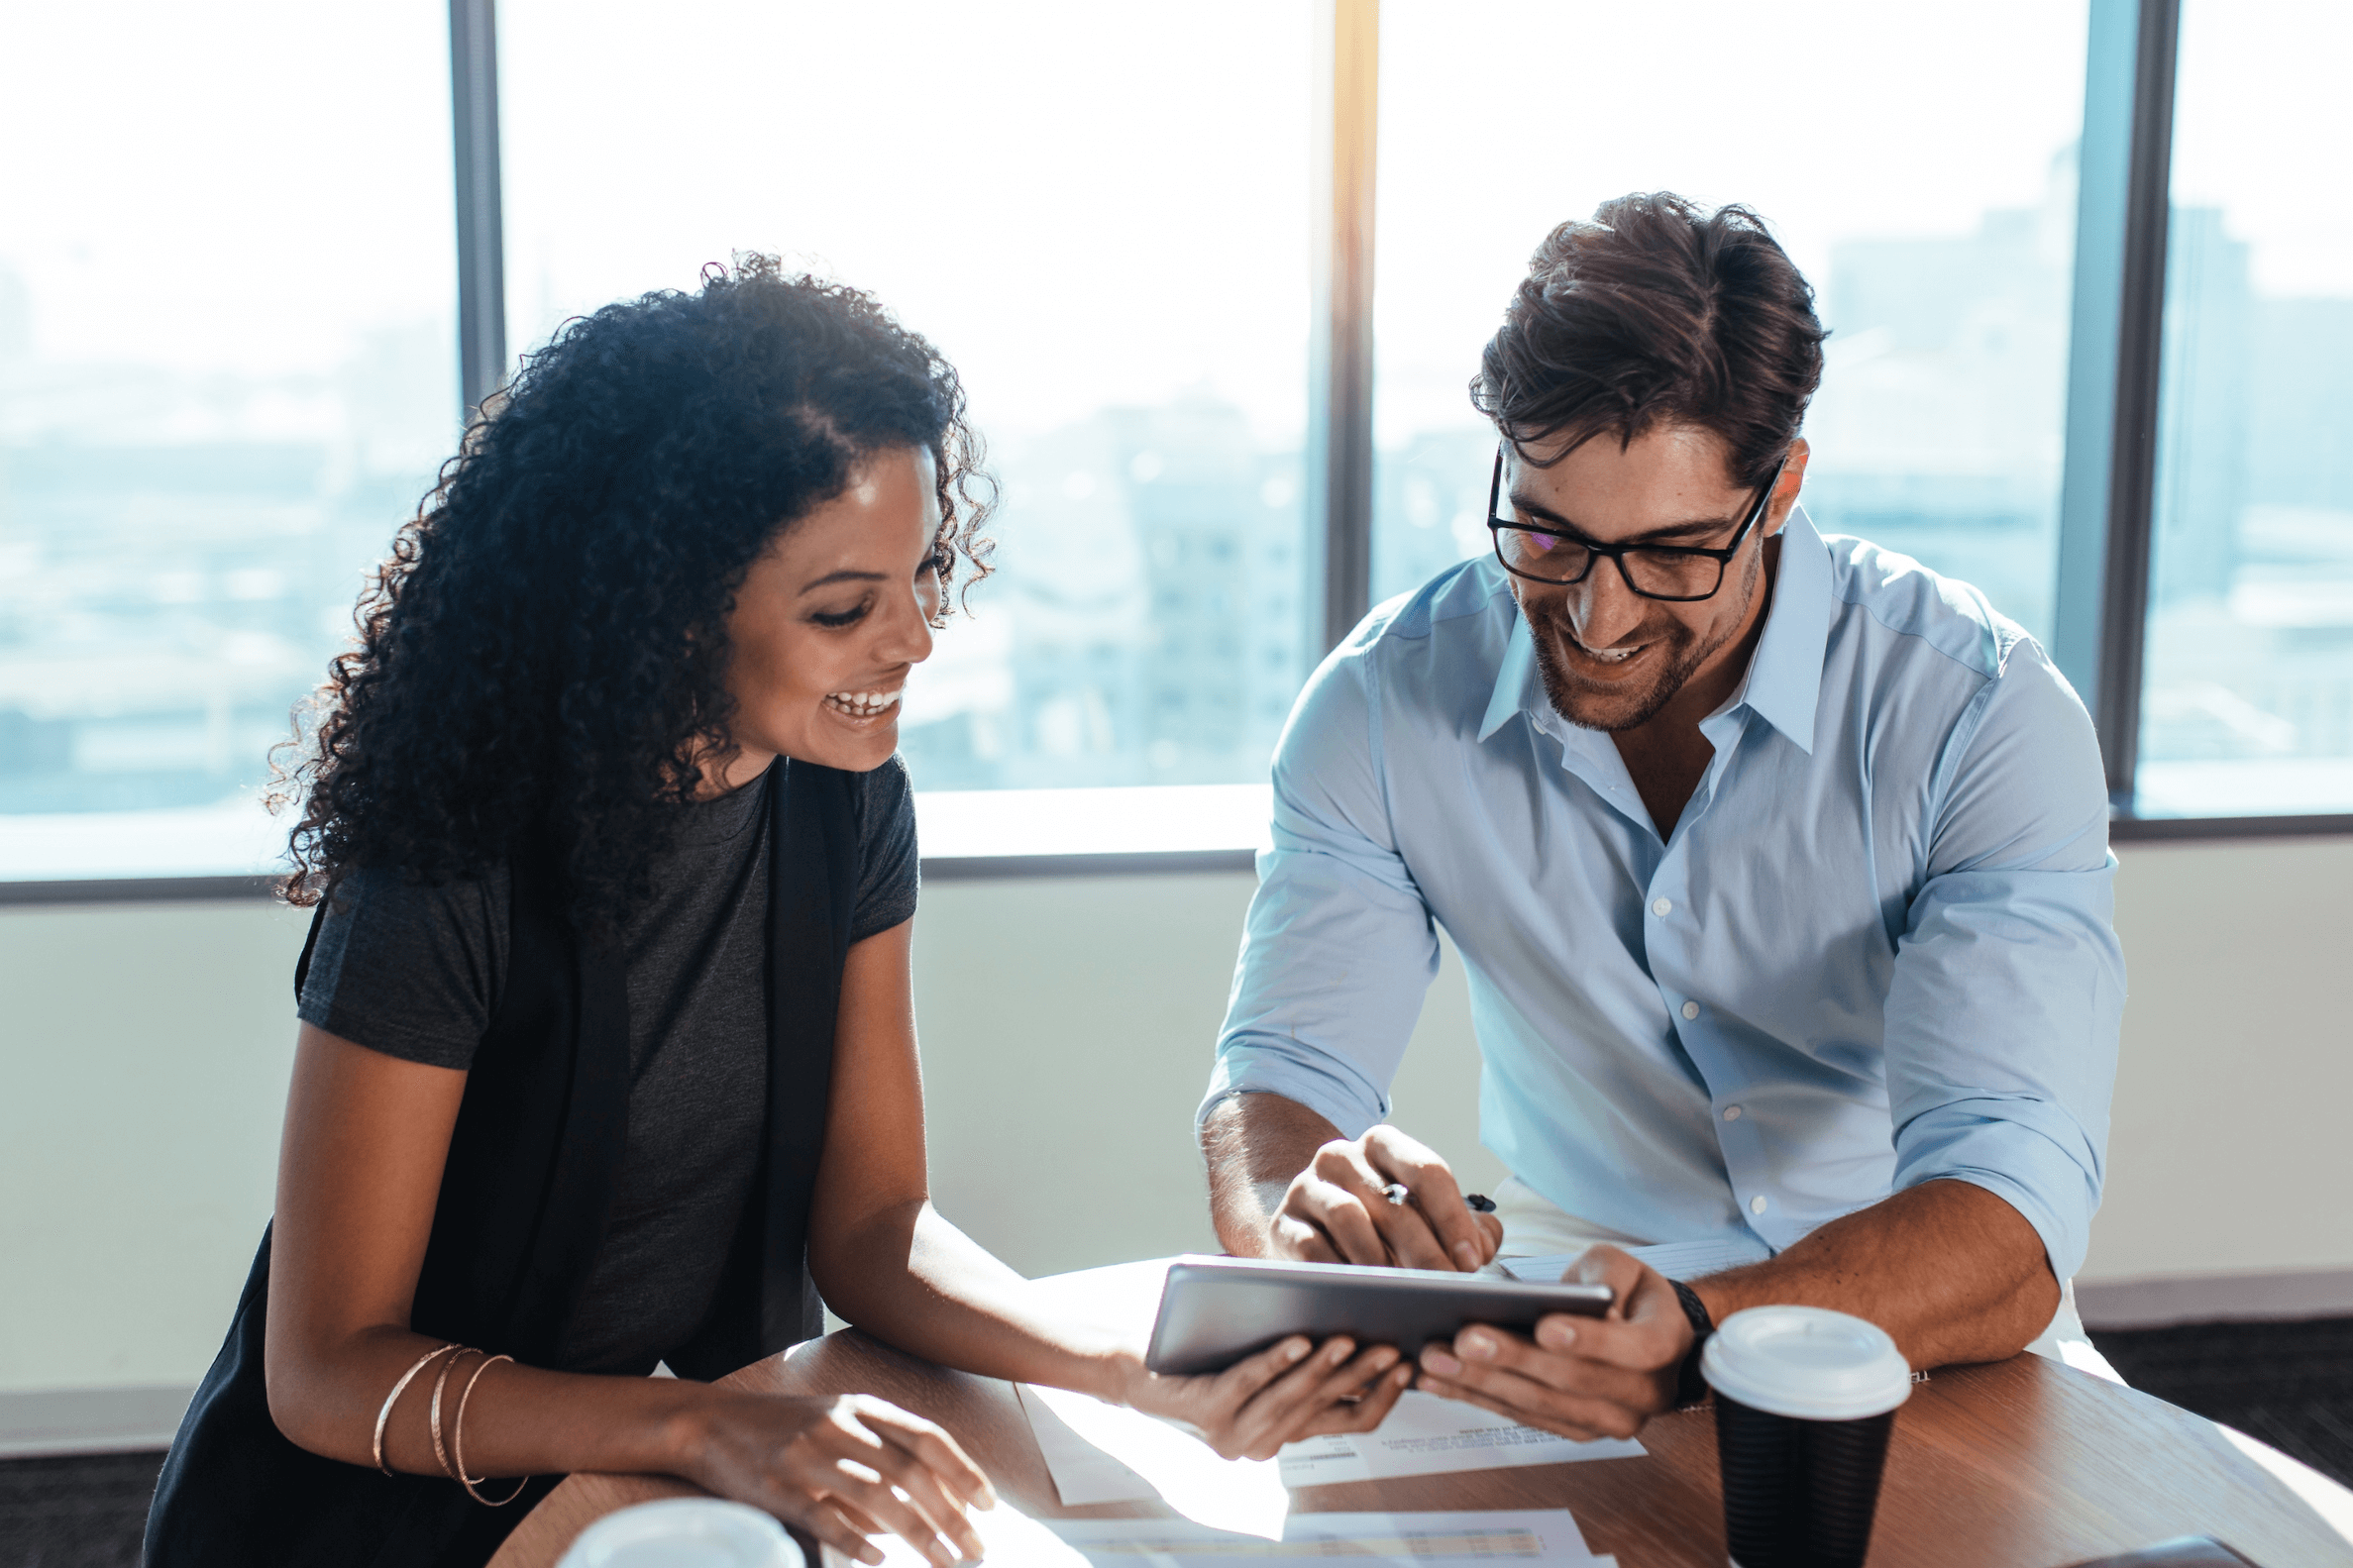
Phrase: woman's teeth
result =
(862, 704)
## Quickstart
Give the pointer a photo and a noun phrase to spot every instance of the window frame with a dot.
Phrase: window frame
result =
(2107, 487)
(2116, 360)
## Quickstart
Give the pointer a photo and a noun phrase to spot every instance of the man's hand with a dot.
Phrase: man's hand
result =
(1336, 1211)
(1580, 1377)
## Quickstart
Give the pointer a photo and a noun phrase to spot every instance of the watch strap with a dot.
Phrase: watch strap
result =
(1691, 1387)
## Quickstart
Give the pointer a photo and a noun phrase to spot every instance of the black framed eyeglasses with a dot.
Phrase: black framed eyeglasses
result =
(1678, 573)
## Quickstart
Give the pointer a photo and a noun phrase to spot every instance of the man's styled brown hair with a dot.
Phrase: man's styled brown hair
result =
(1655, 312)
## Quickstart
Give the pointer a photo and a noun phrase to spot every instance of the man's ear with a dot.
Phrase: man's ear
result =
(1784, 495)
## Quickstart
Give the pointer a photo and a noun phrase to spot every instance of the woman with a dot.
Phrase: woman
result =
(606, 1027)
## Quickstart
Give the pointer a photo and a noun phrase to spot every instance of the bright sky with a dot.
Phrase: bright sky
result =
(1083, 202)
(233, 186)
(2262, 127)
(1835, 119)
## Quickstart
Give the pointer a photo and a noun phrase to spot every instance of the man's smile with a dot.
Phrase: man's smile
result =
(1613, 659)
(1611, 664)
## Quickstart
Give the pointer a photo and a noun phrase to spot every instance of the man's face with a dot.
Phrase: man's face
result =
(1611, 658)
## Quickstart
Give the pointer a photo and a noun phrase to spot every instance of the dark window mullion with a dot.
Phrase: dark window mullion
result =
(482, 247)
(2114, 355)
(2140, 360)
(1338, 458)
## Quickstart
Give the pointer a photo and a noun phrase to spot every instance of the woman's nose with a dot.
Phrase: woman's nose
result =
(909, 632)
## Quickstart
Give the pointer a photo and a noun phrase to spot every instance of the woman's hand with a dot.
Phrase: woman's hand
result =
(841, 1469)
(1279, 1395)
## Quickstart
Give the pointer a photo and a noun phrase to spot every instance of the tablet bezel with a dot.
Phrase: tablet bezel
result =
(1214, 1312)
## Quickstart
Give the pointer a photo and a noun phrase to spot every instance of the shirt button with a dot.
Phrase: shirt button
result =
(1691, 1009)
(1662, 907)
(1732, 1113)
(1757, 1204)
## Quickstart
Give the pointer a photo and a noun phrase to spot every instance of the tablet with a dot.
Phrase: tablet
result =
(1216, 1311)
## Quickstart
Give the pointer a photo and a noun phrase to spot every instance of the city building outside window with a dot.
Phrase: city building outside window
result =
(227, 373)
(2247, 697)
(229, 312)
(1099, 216)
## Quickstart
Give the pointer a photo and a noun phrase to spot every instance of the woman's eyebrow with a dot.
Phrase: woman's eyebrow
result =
(1698, 525)
(846, 575)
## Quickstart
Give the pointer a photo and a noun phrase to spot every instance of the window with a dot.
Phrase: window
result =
(2247, 700)
(1920, 175)
(1101, 218)
(229, 321)
(226, 376)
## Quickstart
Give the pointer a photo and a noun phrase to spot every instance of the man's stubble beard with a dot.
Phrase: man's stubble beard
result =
(1581, 707)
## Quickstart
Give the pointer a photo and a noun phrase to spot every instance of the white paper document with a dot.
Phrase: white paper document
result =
(1678, 1260)
(1012, 1539)
(1407, 1541)
(1534, 1538)
(1102, 1453)
(1082, 1471)
(1428, 1435)
(1107, 1453)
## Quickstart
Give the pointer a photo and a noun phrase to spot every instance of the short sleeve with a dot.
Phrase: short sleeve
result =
(408, 969)
(889, 868)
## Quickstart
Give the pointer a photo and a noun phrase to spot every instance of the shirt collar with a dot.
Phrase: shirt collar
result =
(1519, 685)
(1783, 684)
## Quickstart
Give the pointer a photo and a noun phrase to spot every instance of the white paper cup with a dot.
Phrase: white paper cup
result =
(1805, 1402)
(685, 1532)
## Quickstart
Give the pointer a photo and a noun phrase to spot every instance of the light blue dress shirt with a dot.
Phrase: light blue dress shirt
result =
(1877, 948)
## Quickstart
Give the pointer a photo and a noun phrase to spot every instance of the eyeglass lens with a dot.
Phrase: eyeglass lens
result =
(1555, 558)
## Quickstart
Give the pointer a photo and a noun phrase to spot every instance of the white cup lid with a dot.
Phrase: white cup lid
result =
(1807, 1362)
(685, 1532)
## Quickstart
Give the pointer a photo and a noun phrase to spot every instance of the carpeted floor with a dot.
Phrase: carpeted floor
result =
(2289, 1384)
(83, 1511)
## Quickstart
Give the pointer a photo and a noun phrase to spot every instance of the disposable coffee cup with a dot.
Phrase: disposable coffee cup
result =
(1805, 1401)
(685, 1532)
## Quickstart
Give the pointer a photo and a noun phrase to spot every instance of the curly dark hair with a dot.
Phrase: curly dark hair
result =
(1656, 311)
(547, 644)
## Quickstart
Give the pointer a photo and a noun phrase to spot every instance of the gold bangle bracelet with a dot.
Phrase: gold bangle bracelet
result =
(385, 1416)
(457, 1442)
(440, 1455)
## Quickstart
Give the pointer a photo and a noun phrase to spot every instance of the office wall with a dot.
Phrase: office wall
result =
(2229, 1150)
(1066, 1027)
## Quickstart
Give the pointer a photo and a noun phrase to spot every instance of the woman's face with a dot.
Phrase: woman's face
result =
(831, 619)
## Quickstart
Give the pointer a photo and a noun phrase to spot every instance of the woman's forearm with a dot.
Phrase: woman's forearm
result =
(519, 1420)
(911, 1278)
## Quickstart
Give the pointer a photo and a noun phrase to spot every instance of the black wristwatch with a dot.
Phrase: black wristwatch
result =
(1691, 1387)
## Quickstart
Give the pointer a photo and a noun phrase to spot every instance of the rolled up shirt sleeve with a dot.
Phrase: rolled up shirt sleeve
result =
(2008, 993)
(1338, 948)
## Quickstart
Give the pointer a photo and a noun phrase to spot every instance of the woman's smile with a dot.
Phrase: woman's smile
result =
(865, 707)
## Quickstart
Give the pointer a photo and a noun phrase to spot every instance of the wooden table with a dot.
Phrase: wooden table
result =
(2022, 1463)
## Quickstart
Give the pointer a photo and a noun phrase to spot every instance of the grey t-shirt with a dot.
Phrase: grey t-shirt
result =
(415, 972)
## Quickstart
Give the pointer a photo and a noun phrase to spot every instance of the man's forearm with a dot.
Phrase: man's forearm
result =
(1255, 1144)
(1949, 1270)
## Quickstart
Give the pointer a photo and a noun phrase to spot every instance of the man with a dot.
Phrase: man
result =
(1778, 864)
